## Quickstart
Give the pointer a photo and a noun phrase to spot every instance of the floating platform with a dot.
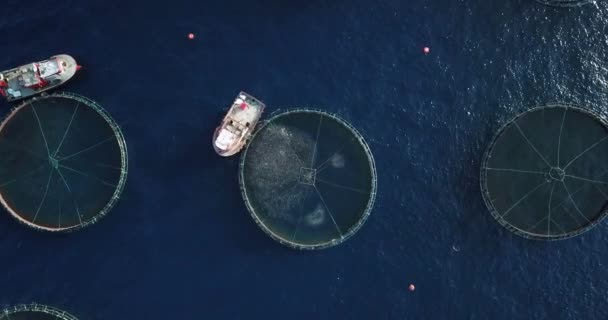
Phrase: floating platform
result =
(296, 173)
(34, 312)
(64, 162)
(545, 172)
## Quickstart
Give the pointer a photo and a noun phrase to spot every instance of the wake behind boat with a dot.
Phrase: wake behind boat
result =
(238, 124)
(31, 79)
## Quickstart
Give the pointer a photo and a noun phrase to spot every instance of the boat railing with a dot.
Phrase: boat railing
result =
(250, 98)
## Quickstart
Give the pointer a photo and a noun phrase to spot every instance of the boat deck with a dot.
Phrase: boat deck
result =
(239, 122)
(17, 83)
(20, 78)
(247, 116)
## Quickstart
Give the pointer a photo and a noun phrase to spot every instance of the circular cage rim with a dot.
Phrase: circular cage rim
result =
(483, 175)
(123, 151)
(372, 198)
(565, 4)
(37, 308)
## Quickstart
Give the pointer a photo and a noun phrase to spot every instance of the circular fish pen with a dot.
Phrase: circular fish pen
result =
(308, 179)
(34, 312)
(545, 173)
(565, 3)
(63, 164)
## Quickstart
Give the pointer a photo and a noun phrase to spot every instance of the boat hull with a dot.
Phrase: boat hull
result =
(237, 126)
(229, 152)
(69, 69)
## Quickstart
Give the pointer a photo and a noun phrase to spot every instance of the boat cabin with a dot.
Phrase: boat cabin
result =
(50, 68)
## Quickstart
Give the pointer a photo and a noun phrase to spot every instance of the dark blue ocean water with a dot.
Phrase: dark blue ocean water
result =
(181, 245)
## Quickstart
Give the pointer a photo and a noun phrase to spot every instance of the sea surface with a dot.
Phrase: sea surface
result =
(180, 243)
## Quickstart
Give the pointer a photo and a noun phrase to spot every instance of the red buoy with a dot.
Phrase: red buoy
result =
(190, 36)
(412, 287)
(426, 50)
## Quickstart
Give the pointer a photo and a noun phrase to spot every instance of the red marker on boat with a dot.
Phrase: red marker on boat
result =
(190, 36)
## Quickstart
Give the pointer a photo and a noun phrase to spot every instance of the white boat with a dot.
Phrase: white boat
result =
(31, 79)
(238, 124)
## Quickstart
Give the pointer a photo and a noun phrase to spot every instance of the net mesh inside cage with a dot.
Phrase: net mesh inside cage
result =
(308, 179)
(63, 164)
(545, 173)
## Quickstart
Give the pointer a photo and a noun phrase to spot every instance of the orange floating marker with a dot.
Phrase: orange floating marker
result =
(190, 36)
(426, 50)
(412, 287)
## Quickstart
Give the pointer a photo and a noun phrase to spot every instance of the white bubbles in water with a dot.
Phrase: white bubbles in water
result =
(337, 161)
(283, 131)
(280, 153)
(316, 217)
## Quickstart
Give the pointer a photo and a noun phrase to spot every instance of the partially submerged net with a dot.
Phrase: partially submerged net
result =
(545, 173)
(34, 312)
(64, 162)
(565, 3)
(308, 179)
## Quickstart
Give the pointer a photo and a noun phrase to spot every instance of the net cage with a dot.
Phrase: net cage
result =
(545, 172)
(63, 164)
(308, 179)
(34, 312)
(565, 3)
